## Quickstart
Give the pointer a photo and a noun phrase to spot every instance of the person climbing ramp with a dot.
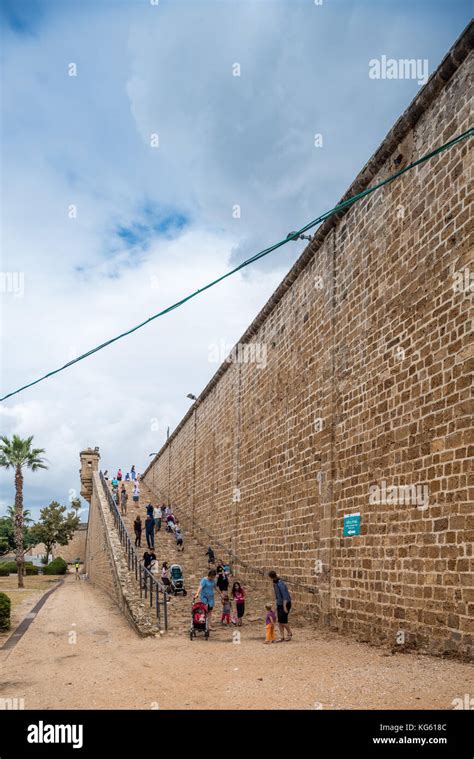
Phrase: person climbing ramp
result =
(238, 594)
(123, 500)
(137, 527)
(178, 537)
(150, 531)
(205, 592)
(211, 557)
(136, 494)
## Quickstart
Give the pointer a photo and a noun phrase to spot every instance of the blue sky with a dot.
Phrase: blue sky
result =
(150, 223)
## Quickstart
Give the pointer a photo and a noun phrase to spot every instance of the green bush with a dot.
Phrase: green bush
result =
(11, 568)
(5, 606)
(56, 567)
(4, 571)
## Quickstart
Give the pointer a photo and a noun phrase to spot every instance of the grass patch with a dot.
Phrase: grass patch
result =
(34, 584)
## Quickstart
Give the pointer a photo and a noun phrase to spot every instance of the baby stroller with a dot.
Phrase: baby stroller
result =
(170, 522)
(177, 580)
(199, 620)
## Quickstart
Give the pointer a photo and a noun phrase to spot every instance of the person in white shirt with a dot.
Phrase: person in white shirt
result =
(136, 493)
(157, 518)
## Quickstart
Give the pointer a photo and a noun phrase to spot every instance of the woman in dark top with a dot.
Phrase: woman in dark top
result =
(137, 526)
(149, 559)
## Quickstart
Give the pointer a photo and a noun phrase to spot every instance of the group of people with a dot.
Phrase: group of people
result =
(119, 493)
(218, 580)
(233, 603)
(130, 476)
(155, 517)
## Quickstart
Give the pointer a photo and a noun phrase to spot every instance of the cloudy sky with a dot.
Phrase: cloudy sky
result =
(104, 224)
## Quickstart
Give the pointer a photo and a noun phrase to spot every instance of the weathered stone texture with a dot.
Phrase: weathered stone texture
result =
(382, 355)
(106, 563)
(76, 548)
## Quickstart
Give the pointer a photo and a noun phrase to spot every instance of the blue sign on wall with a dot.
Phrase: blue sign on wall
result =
(351, 525)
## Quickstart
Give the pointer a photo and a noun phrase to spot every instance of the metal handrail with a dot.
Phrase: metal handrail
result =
(234, 558)
(149, 585)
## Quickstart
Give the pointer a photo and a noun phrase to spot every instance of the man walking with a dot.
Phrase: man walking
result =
(157, 518)
(283, 604)
(150, 531)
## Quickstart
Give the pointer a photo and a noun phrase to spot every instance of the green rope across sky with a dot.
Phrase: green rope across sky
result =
(256, 257)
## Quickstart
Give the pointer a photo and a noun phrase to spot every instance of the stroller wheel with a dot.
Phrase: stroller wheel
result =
(206, 635)
(185, 592)
(191, 635)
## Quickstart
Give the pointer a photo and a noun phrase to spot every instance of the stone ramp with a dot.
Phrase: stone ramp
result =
(193, 562)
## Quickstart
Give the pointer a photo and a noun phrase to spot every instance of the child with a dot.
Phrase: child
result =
(149, 511)
(270, 624)
(170, 523)
(179, 537)
(226, 609)
(238, 594)
(211, 557)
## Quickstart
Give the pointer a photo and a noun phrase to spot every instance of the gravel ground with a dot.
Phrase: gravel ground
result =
(80, 652)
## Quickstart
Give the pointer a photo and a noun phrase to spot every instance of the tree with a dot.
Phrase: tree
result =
(55, 526)
(76, 504)
(7, 531)
(16, 454)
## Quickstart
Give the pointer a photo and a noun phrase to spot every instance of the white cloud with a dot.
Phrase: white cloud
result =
(224, 140)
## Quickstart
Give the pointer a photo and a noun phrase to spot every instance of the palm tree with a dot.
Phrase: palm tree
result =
(26, 515)
(18, 453)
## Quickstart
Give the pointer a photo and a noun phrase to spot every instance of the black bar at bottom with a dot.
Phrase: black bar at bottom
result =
(309, 732)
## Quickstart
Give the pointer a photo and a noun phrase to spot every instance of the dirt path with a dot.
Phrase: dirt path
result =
(79, 652)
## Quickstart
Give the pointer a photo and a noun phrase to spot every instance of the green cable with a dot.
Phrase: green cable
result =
(256, 257)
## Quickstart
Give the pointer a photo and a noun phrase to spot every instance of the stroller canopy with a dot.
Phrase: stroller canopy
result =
(176, 572)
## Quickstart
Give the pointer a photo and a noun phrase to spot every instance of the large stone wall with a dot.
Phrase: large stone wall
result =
(367, 384)
(76, 548)
(99, 558)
